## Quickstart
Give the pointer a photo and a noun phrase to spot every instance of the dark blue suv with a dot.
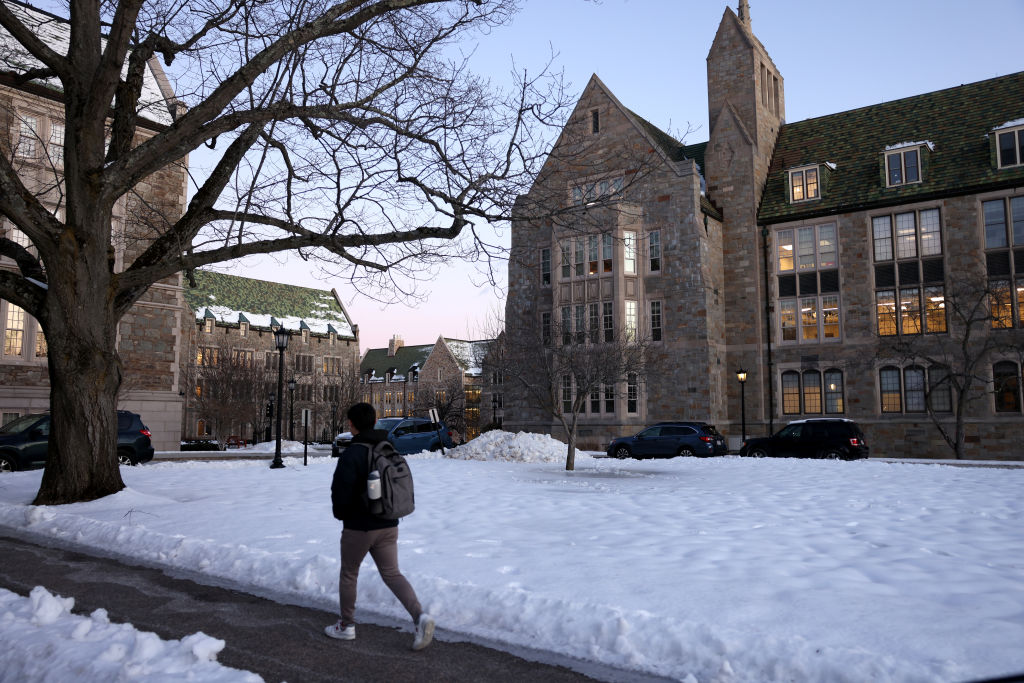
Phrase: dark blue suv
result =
(669, 439)
(406, 434)
(24, 441)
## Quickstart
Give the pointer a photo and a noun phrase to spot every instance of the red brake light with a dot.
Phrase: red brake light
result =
(706, 439)
(854, 441)
(145, 432)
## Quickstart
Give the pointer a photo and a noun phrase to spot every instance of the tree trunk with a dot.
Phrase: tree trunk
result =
(85, 370)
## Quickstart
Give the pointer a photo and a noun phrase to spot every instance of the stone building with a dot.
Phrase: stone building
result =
(150, 335)
(797, 252)
(405, 381)
(233, 360)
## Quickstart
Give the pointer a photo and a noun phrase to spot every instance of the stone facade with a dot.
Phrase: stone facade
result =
(232, 351)
(150, 335)
(712, 222)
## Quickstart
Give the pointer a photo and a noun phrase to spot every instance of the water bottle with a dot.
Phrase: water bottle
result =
(373, 485)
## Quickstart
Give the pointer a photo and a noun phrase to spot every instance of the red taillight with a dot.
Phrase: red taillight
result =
(706, 439)
(854, 441)
(145, 432)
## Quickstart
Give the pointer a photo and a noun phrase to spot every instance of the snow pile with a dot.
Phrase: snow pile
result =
(43, 641)
(521, 447)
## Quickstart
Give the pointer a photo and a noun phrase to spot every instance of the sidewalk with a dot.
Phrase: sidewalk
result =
(278, 642)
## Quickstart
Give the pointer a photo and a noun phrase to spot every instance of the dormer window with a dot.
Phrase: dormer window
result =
(208, 326)
(305, 335)
(903, 163)
(243, 328)
(803, 184)
(1010, 143)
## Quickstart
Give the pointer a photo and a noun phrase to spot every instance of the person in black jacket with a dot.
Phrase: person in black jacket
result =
(363, 532)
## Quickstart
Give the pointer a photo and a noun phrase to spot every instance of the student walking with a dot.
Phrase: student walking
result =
(364, 532)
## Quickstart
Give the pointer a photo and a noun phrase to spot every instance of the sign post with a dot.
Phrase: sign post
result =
(437, 427)
(306, 413)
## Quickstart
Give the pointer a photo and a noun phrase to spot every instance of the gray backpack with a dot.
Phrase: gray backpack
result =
(396, 499)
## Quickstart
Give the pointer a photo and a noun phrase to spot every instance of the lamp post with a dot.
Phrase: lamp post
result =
(741, 375)
(291, 409)
(281, 337)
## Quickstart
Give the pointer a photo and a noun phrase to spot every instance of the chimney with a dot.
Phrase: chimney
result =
(395, 344)
(744, 13)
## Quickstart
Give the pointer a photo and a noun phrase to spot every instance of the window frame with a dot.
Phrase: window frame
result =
(1017, 134)
(798, 178)
(656, 319)
(799, 313)
(1014, 408)
(1011, 250)
(654, 251)
(901, 152)
(828, 396)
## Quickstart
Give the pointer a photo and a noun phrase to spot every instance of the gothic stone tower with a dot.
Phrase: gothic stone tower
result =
(746, 108)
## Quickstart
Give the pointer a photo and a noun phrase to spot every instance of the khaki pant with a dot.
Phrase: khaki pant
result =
(382, 544)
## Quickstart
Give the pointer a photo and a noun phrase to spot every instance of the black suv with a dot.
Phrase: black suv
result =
(833, 438)
(25, 440)
(669, 439)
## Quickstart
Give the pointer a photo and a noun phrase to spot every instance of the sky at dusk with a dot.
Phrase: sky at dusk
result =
(652, 54)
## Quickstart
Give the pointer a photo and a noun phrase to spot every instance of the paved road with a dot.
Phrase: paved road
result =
(279, 642)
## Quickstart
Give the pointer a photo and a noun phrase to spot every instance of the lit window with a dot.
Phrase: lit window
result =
(808, 299)
(803, 184)
(812, 392)
(630, 321)
(903, 167)
(14, 331)
(909, 273)
(1011, 147)
(629, 251)
(1004, 228)
(592, 255)
(891, 390)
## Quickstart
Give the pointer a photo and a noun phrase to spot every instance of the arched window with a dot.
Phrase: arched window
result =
(913, 388)
(812, 391)
(791, 392)
(1006, 380)
(890, 389)
(834, 391)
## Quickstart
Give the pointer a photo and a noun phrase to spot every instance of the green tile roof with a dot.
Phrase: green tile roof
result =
(957, 123)
(379, 362)
(233, 299)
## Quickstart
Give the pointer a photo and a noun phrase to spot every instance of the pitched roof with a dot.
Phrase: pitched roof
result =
(156, 100)
(956, 122)
(234, 299)
(469, 354)
(405, 359)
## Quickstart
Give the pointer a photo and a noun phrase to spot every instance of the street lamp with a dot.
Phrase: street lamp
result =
(291, 409)
(281, 337)
(741, 375)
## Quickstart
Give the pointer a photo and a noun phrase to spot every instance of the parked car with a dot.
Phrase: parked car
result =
(669, 439)
(833, 438)
(25, 440)
(406, 434)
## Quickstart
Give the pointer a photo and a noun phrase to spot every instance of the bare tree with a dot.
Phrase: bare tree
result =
(349, 131)
(230, 392)
(951, 348)
(448, 396)
(560, 369)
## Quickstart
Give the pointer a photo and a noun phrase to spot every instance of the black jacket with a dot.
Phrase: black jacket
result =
(348, 489)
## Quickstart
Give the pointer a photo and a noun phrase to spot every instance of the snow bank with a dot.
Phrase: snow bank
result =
(521, 447)
(43, 641)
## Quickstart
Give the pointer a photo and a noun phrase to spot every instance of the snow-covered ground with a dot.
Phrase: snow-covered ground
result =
(723, 569)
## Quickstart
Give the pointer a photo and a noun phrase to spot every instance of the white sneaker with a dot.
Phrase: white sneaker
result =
(424, 632)
(341, 632)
